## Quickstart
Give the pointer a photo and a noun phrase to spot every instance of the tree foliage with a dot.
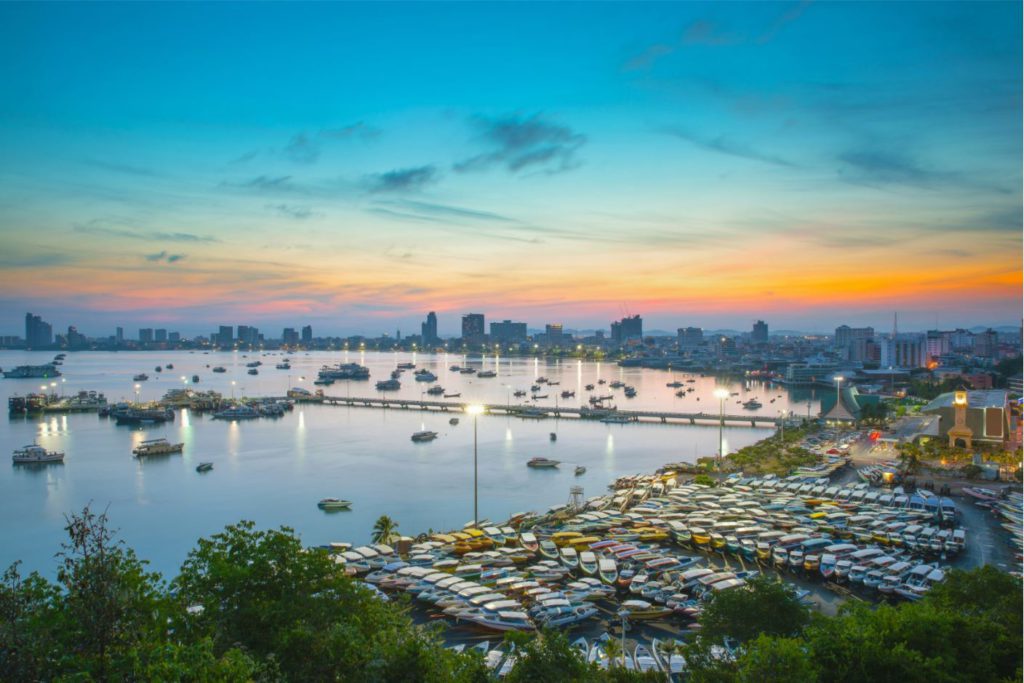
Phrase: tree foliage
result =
(764, 606)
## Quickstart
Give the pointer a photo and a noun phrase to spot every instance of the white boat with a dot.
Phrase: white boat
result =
(542, 463)
(644, 660)
(239, 412)
(334, 504)
(420, 437)
(36, 454)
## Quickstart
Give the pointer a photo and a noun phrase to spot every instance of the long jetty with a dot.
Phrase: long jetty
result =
(542, 412)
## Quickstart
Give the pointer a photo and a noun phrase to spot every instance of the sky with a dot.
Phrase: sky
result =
(354, 166)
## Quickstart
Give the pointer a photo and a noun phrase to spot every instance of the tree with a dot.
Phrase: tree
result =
(764, 606)
(767, 659)
(704, 480)
(384, 530)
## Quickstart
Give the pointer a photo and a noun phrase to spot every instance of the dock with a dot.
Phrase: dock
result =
(542, 412)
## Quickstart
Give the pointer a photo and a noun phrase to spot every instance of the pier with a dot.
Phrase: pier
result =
(543, 412)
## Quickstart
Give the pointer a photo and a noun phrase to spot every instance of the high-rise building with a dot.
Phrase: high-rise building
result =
(174, 337)
(160, 335)
(986, 344)
(938, 343)
(119, 336)
(428, 330)
(307, 335)
(76, 340)
(146, 335)
(37, 332)
(627, 329)
(690, 338)
(473, 328)
(851, 343)
(508, 332)
(290, 337)
(904, 351)
(759, 335)
(225, 337)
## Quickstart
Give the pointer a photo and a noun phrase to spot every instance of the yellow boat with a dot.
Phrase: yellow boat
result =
(700, 537)
(583, 543)
(564, 538)
(653, 535)
(717, 541)
(442, 538)
(817, 515)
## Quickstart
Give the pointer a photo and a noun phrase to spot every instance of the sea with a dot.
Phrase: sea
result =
(273, 471)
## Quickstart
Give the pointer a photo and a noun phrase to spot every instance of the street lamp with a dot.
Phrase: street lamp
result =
(475, 410)
(622, 614)
(232, 390)
(721, 395)
(839, 381)
(137, 387)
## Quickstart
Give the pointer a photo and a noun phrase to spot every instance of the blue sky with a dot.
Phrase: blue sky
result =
(356, 165)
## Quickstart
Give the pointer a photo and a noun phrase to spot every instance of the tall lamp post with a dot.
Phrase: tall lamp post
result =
(839, 398)
(475, 410)
(721, 395)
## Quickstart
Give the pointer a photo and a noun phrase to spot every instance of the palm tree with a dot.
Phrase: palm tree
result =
(613, 649)
(384, 530)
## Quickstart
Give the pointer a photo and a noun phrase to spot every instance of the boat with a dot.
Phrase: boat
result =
(568, 394)
(420, 437)
(589, 387)
(454, 421)
(542, 463)
(607, 571)
(580, 470)
(283, 366)
(553, 436)
(389, 385)
(219, 369)
(32, 371)
(141, 377)
(452, 395)
(436, 390)
(519, 393)
(195, 379)
(157, 447)
(752, 404)
(253, 371)
(641, 609)
(237, 412)
(132, 416)
(36, 454)
(158, 369)
(424, 376)
(616, 419)
(344, 371)
(487, 373)
(588, 563)
(334, 504)
(644, 660)
(629, 392)
(204, 467)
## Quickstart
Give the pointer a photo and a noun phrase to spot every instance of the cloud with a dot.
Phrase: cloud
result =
(403, 179)
(265, 183)
(647, 58)
(164, 257)
(875, 167)
(703, 32)
(98, 227)
(123, 168)
(444, 211)
(300, 212)
(787, 17)
(356, 130)
(517, 143)
(724, 145)
(301, 149)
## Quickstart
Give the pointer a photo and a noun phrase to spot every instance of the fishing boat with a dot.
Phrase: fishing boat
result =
(607, 571)
(36, 454)
(452, 395)
(529, 541)
(204, 467)
(334, 504)
(641, 609)
(157, 447)
(542, 463)
(420, 437)
(588, 563)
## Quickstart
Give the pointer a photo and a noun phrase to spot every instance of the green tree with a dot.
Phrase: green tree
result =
(768, 659)
(764, 606)
(549, 657)
(704, 480)
(384, 530)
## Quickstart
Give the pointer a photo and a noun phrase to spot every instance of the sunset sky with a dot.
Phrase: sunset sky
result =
(354, 166)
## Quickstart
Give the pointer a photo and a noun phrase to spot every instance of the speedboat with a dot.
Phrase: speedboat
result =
(36, 454)
(334, 504)
(420, 437)
(238, 412)
(580, 469)
(641, 609)
(204, 467)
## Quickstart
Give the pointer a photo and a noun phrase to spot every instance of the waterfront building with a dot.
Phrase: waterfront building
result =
(307, 335)
(290, 337)
(690, 338)
(174, 337)
(508, 332)
(937, 343)
(224, 337)
(146, 335)
(849, 406)
(473, 328)
(627, 329)
(160, 335)
(119, 336)
(811, 372)
(37, 332)
(428, 330)
(759, 335)
(986, 344)
(553, 335)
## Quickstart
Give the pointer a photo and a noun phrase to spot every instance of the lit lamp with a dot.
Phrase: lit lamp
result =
(721, 395)
(474, 410)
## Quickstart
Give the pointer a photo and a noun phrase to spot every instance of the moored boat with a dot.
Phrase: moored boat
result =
(36, 454)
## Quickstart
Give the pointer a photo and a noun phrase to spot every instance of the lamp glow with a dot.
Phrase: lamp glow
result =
(474, 409)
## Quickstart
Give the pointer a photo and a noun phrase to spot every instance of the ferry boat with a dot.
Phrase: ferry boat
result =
(36, 454)
(420, 437)
(542, 463)
(32, 371)
(131, 416)
(344, 371)
(334, 504)
(204, 467)
(157, 447)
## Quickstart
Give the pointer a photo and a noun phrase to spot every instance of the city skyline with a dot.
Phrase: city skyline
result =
(806, 164)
